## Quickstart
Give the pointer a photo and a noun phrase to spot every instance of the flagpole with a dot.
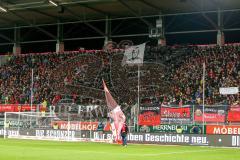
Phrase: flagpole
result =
(138, 96)
(31, 99)
(203, 95)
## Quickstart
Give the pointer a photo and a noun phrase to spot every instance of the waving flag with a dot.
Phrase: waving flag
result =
(134, 55)
(115, 113)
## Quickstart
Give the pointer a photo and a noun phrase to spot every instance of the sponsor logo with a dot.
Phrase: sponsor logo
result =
(236, 141)
(145, 129)
(211, 129)
(199, 140)
(15, 124)
(55, 133)
(167, 138)
(169, 128)
(9, 132)
(168, 112)
(77, 126)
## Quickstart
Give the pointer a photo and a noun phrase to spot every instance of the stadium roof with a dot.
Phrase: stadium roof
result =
(90, 23)
(34, 12)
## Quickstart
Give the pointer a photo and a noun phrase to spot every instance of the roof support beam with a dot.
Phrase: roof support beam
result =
(187, 32)
(94, 9)
(150, 5)
(26, 34)
(29, 23)
(7, 20)
(5, 44)
(210, 21)
(37, 11)
(46, 32)
(86, 23)
(118, 26)
(217, 3)
(134, 13)
(204, 15)
(122, 18)
(43, 13)
(127, 35)
(6, 38)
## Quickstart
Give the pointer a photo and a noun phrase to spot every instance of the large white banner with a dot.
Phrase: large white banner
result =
(229, 90)
(134, 55)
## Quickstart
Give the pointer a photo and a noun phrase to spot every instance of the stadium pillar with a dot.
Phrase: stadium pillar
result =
(220, 34)
(162, 41)
(60, 47)
(16, 45)
(107, 37)
(160, 25)
(60, 43)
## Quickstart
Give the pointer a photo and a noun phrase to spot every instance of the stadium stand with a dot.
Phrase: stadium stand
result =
(169, 74)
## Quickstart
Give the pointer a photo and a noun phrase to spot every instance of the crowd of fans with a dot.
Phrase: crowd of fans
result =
(222, 69)
(168, 75)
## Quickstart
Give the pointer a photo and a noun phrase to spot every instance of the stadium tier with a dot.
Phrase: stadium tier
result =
(119, 79)
(169, 76)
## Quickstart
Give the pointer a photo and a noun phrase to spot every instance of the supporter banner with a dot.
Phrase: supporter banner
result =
(134, 54)
(24, 108)
(220, 129)
(211, 113)
(7, 108)
(77, 126)
(15, 124)
(174, 128)
(229, 90)
(149, 116)
(175, 115)
(234, 113)
(234, 116)
(1, 122)
(16, 107)
(235, 108)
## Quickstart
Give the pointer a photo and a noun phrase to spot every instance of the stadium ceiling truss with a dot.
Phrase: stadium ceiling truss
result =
(62, 20)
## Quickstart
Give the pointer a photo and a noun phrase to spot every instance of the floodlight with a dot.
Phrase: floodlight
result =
(3, 9)
(53, 3)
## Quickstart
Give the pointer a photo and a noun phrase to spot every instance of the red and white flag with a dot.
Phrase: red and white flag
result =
(116, 113)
